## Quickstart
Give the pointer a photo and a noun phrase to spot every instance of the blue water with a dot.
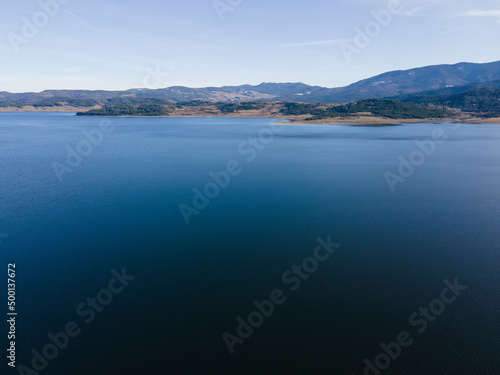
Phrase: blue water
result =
(119, 208)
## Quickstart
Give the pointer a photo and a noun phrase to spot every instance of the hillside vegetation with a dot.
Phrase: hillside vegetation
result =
(383, 108)
(130, 110)
(483, 102)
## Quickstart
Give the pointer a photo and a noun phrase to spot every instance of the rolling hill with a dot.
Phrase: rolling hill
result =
(395, 84)
(483, 102)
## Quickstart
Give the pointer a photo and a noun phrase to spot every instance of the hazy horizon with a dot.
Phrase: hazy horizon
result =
(241, 84)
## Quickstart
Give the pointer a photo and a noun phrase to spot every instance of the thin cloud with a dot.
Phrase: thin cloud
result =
(493, 13)
(413, 12)
(483, 13)
(88, 26)
(317, 43)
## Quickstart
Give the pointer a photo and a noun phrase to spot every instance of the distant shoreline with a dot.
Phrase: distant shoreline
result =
(291, 120)
(382, 121)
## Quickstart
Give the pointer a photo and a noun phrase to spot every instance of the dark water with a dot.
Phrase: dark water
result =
(119, 208)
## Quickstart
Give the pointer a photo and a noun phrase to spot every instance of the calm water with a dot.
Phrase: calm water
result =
(120, 208)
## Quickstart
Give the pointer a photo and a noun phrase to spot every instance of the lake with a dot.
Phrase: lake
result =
(236, 246)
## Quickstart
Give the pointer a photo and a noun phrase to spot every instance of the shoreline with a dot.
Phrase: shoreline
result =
(290, 120)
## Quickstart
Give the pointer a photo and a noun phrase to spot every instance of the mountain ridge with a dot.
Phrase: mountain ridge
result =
(386, 85)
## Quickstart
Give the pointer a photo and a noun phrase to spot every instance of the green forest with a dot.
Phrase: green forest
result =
(391, 109)
(130, 110)
(484, 102)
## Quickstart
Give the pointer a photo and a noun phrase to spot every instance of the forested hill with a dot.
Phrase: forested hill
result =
(482, 102)
(384, 108)
(381, 108)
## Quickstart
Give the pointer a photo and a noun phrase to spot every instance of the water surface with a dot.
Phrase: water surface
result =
(120, 208)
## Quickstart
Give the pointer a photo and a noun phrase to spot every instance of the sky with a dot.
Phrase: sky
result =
(123, 44)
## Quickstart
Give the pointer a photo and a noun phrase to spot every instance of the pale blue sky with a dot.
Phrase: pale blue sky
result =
(116, 44)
